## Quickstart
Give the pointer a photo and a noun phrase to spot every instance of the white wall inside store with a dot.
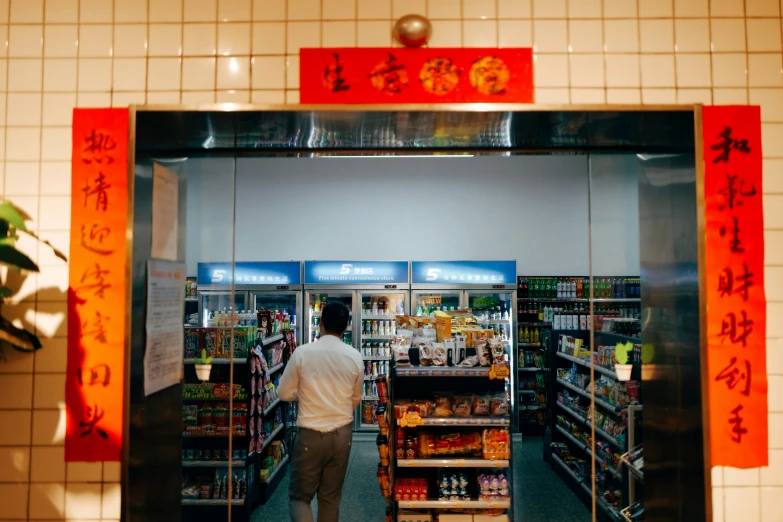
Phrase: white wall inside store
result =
(530, 208)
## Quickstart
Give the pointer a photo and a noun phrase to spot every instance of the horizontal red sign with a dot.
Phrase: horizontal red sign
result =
(401, 75)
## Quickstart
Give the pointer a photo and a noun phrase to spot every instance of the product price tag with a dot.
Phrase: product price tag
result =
(499, 372)
(411, 420)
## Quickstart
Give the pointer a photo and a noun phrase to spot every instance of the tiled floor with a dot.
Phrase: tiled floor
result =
(539, 494)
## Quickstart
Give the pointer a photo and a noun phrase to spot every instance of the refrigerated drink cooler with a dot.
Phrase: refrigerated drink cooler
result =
(374, 292)
(488, 288)
(273, 286)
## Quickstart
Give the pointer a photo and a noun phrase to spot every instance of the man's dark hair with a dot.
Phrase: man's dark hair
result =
(334, 318)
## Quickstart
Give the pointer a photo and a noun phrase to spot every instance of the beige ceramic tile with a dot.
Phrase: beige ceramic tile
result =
(47, 501)
(14, 464)
(83, 501)
(691, 8)
(13, 498)
(48, 464)
(20, 394)
(741, 504)
(585, 9)
(624, 96)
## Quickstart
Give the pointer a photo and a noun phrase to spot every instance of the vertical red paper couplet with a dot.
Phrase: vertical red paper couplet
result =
(736, 303)
(94, 388)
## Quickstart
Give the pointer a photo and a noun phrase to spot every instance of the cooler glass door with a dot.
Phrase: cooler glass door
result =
(315, 300)
(217, 302)
(280, 302)
(378, 326)
(425, 302)
(496, 310)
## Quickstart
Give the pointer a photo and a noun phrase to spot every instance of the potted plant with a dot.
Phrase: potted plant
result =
(203, 366)
(622, 367)
(12, 222)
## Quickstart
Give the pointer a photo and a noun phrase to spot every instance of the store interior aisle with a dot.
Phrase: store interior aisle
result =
(539, 494)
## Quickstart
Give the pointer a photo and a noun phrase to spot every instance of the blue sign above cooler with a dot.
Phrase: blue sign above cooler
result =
(464, 272)
(251, 273)
(356, 272)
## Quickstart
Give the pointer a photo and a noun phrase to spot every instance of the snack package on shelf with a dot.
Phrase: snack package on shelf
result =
(439, 444)
(493, 486)
(400, 346)
(444, 403)
(481, 406)
(497, 349)
(453, 486)
(496, 444)
(482, 350)
(463, 405)
(442, 326)
(498, 404)
(410, 489)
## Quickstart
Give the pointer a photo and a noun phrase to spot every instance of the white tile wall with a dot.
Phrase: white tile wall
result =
(59, 54)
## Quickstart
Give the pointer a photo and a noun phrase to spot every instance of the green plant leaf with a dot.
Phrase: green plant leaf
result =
(15, 259)
(5, 292)
(22, 340)
(12, 215)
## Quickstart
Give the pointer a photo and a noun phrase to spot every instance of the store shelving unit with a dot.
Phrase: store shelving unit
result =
(207, 456)
(584, 485)
(285, 429)
(418, 382)
(558, 359)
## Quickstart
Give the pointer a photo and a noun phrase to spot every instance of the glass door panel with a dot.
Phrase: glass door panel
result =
(378, 326)
(315, 303)
(494, 311)
(216, 307)
(425, 302)
(280, 302)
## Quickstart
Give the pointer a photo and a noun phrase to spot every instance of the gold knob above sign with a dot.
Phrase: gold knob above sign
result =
(412, 30)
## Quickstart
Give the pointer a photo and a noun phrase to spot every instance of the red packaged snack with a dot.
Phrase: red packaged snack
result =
(481, 406)
(632, 387)
(431, 445)
(401, 408)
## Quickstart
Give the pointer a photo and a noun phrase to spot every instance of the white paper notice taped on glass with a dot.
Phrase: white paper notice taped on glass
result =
(165, 213)
(163, 356)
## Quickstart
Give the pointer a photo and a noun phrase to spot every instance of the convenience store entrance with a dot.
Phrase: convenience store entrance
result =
(595, 209)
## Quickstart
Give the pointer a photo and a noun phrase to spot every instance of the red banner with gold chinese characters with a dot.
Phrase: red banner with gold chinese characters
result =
(94, 387)
(428, 75)
(736, 303)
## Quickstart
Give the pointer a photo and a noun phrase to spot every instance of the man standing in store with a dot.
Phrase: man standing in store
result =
(326, 378)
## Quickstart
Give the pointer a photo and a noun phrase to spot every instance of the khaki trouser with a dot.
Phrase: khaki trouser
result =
(319, 463)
